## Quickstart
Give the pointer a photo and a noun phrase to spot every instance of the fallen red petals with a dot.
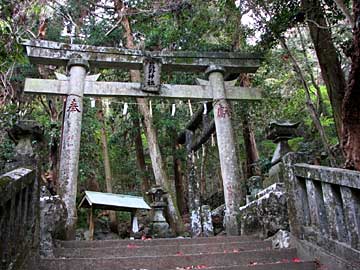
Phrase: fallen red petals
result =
(297, 260)
(179, 253)
(132, 246)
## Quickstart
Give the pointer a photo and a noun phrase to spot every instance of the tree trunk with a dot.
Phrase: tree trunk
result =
(328, 57)
(252, 154)
(106, 160)
(203, 172)
(309, 104)
(320, 100)
(351, 107)
(161, 177)
(140, 158)
(178, 177)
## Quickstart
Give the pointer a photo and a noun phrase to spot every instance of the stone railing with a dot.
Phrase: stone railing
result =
(19, 218)
(324, 207)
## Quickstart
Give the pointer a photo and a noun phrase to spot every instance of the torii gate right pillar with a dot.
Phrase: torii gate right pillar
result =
(230, 169)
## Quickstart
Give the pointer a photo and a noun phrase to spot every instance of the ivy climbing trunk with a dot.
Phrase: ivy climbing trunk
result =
(161, 177)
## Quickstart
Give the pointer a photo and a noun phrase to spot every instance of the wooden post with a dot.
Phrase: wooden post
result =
(229, 163)
(70, 144)
(91, 224)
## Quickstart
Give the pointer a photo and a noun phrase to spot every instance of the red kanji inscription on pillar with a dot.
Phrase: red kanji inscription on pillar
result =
(74, 107)
(223, 111)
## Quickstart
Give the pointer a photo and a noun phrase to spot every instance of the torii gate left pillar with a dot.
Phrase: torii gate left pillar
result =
(70, 144)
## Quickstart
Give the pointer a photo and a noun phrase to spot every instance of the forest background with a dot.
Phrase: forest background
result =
(309, 74)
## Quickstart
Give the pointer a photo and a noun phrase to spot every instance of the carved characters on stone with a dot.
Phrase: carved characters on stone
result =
(152, 74)
(223, 111)
(73, 107)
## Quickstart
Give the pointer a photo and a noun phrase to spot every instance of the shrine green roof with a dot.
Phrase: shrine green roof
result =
(111, 201)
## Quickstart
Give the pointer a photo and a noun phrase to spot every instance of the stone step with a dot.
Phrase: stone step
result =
(132, 250)
(171, 262)
(266, 266)
(153, 242)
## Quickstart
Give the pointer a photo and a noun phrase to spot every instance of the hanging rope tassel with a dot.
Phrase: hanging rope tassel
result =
(205, 108)
(150, 109)
(125, 109)
(190, 108)
(173, 109)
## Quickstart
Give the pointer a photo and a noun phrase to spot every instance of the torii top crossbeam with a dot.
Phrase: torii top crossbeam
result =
(54, 53)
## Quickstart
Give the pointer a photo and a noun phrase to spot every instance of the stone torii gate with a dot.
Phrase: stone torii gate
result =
(79, 58)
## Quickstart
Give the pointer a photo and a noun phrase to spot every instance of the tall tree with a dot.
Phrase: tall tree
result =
(327, 55)
(351, 108)
(161, 177)
(105, 155)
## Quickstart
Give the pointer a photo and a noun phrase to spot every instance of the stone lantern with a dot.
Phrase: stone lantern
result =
(160, 227)
(280, 132)
(23, 133)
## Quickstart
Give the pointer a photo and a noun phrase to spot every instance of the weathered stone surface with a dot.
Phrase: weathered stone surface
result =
(207, 226)
(54, 53)
(280, 240)
(230, 170)
(253, 185)
(116, 89)
(266, 215)
(24, 133)
(52, 223)
(159, 227)
(324, 210)
(70, 144)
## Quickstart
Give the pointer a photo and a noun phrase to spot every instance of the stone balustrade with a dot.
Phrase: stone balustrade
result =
(324, 207)
(19, 217)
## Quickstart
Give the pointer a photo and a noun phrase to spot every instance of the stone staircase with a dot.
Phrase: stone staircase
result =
(227, 253)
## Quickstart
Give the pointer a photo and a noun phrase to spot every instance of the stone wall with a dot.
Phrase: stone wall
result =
(267, 214)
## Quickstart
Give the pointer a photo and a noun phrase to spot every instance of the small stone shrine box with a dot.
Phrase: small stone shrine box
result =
(111, 201)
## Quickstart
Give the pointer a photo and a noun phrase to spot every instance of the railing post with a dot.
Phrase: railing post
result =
(316, 206)
(334, 212)
(351, 206)
(297, 202)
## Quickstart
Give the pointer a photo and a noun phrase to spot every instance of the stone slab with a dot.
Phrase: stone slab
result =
(154, 242)
(116, 89)
(171, 262)
(329, 175)
(55, 53)
(137, 250)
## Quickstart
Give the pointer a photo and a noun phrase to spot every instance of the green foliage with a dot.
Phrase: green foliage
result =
(193, 25)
